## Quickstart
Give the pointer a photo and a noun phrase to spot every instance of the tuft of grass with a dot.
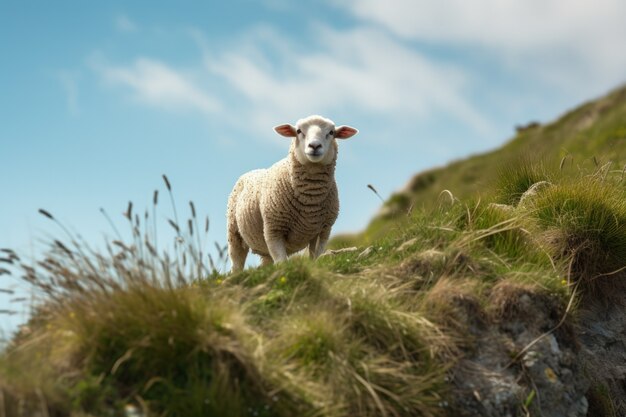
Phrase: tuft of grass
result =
(516, 177)
(499, 229)
(175, 349)
(313, 338)
(584, 225)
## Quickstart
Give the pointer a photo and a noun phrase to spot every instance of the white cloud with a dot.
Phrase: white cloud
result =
(389, 63)
(564, 41)
(502, 23)
(124, 24)
(158, 84)
(269, 78)
(361, 69)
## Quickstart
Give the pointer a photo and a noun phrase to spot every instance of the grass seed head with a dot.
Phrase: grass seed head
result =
(167, 183)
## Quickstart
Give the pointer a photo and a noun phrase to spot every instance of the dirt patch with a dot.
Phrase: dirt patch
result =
(517, 368)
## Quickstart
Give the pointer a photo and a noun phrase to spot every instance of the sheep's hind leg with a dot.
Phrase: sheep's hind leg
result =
(313, 248)
(237, 250)
(318, 245)
(266, 260)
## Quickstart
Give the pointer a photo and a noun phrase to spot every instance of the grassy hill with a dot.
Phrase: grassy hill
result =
(594, 130)
(585, 138)
(507, 304)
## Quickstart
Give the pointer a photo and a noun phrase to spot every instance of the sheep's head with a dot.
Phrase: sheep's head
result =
(315, 138)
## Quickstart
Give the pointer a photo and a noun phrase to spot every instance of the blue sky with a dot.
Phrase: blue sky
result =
(98, 100)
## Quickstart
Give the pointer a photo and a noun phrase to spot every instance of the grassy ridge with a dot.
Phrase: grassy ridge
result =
(366, 332)
(583, 139)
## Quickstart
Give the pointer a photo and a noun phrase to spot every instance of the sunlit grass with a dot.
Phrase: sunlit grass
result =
(371, 331)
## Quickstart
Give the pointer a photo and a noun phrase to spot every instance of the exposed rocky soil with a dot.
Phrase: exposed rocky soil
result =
(525, 363)
(602, 334)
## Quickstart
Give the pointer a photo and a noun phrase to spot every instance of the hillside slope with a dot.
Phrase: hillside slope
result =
(595, 129)
(589, 136)
(507, 305)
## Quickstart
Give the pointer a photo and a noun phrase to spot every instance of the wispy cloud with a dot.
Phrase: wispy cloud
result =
(362, 69)
(390, 62)
(124, 24)
(503, 24)
(409, 60)
(156, 83)
(567, 42)
(268, 77)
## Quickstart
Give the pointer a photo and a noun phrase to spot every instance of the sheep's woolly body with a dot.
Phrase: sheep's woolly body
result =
(278, 211)
(294, 201)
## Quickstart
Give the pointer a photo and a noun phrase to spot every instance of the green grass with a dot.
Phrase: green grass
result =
(368, 332)
(581, 140)
(353, 334)
(584, 223)
(516, 178)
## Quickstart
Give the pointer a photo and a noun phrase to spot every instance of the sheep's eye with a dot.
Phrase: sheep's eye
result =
(331, 133)
(299, 131)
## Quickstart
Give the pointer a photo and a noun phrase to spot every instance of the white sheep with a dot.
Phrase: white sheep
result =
(278, 211)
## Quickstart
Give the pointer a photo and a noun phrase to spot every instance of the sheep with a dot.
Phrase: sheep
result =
(278, 211)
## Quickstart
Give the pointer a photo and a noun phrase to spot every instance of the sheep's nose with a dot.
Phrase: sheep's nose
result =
(315, 146)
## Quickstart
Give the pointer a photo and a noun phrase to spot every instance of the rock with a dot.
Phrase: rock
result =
(549, 375)
(603, 351)
(406, 244)
(365, 253)
(432, 255)
(338, 251)
(527, 127)
(533, 191)
(501, 207)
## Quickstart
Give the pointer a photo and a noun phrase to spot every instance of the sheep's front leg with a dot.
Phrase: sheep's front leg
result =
(276, 246)
(277, 249)
(318, 245)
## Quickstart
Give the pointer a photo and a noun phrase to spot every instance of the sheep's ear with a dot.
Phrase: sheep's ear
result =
(286, 130)
(345, 132)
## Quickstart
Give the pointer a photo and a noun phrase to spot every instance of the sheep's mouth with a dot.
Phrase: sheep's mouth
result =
(314, 156)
